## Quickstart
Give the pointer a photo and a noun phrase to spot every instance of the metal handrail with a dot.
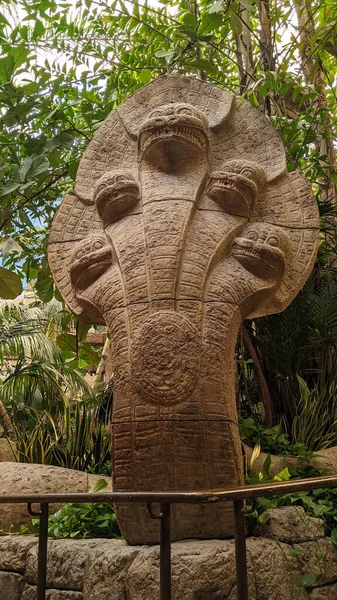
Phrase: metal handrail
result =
(237, 495)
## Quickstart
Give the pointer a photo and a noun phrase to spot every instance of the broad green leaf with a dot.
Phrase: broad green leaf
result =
(39, 29)
(247, 5)
(44, 288)
(216, 7)
(282, 475)
(20, 54)
(236, 23)
(67, 341)
(145, 75)
(264, 517)
(3, 19)
(8, 245)
(165, 53)
(10, 284)
(308, 579)
(202, 65)
(100, 485)
(6, 68)
(5, 190)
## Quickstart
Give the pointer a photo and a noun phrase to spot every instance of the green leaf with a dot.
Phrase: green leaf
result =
(45, 288)
(89, 355)
(266, 466)
(282, 475)
(10, 284)
(236, 23)
(308, 579)
(165, 53)
(295, 552)
(216, 7)
(20, 54)
(72, 169)
(8, 245)
(264, 517)
(5, 190)
(202, 65)
(145, 76)
(38, 30)
(333, 536)
(247, 5)
(6, 68)
(67, 341)
(100, 485)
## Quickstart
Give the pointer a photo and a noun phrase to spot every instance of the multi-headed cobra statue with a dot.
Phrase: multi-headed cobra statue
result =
(184, 222)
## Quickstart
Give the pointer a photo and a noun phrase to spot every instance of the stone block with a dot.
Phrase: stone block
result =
(10, 586)
(14, 550)
(275, 571)
(106, 570)
(328, 592)
(20, 478)
(291, 525)
(29, 593)
(200, 570)
(7, 450)
(319, 557)
(67, 563)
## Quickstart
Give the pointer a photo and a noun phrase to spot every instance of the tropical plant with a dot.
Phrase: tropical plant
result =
(90, 520)
(66, 65)
(70, 436)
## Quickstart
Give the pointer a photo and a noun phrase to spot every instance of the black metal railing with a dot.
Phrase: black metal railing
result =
(237, 495)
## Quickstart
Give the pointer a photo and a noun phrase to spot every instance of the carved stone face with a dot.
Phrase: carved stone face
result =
(90, 259)
(173, 129)
(262, 249)
(115, 194)
(236, 186)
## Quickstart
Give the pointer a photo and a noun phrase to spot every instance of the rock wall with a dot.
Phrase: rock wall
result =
(102, 569)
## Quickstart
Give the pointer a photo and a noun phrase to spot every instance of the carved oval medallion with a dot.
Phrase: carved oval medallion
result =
(166, 354)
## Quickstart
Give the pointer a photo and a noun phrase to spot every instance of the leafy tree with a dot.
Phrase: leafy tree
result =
(66, 65)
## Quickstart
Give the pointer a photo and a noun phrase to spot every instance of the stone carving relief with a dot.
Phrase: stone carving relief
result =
(184, 222)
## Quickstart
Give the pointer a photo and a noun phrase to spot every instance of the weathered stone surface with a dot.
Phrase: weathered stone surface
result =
(11, 585)
(275, 570)
(19, 478)
(7, 450)
(184, 222)
(67, 563)
(291, 525)
(14, 550)
(328, 592)
(29, 593)
(200, 570)
(319, 557)
(106, 570)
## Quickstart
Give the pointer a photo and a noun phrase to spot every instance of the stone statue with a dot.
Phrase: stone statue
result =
(184, 223)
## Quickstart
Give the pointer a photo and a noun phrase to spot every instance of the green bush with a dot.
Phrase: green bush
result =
(89, 520)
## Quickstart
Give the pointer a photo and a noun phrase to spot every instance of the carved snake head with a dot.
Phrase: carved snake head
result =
(91, 257)
(262, 249)
(236, 186)
(176, 130)
(115, 193)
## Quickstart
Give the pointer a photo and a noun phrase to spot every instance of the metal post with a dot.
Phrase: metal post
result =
(42, 555)
(165, 552)
(240, 550)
